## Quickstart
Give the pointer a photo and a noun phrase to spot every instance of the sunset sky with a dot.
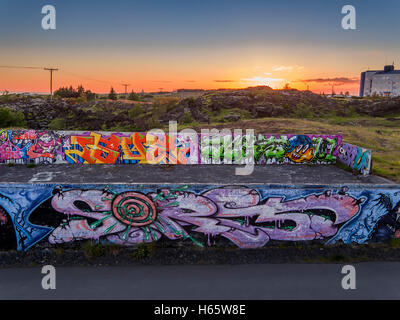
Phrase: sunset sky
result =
(208, 44)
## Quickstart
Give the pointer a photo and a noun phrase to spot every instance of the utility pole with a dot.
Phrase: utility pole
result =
(126, 90)
(51, 79)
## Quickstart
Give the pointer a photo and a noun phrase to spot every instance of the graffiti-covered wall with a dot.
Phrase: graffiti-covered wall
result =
(47, 147)
(355, 157)
(270, 149)
(248, 216)
(58, 147)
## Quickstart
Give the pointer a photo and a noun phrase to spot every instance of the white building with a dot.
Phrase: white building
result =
(384, 82)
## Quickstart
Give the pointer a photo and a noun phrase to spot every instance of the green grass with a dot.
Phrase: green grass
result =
(338, 258)
(378, 134)
(93, 250)
(394, 243)
(144, 250)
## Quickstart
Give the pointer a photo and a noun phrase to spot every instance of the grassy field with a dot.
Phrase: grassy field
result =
(381, 135)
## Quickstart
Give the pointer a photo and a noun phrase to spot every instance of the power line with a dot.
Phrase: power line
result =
(36, 68)
(67, 73)
(20, 67)
(88, 78)
(98, 80)
(51, 79)
(126, 88)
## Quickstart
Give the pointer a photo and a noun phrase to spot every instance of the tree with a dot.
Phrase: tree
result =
(133, 96)
(80, 90)
(112, 95)
(187, 118)
(70, 92)
(90, 95)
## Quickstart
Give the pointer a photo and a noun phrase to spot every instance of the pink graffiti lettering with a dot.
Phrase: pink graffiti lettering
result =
(236, 213)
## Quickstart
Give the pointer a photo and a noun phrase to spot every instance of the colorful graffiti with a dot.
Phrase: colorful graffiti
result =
(95, 148)
(248, 217)
(40, 147)
(356, 157)
(48, 147)
(270, 149)
(58, 147)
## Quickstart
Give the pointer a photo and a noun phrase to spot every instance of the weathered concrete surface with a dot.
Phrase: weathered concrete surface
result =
(63, 204)
(377, 280)
(186, 174)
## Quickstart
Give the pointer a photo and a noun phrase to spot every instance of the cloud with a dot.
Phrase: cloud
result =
(162, 81)
(224, 81)
(336, 81)
(287, 68)
(263, 79)
(191, 81)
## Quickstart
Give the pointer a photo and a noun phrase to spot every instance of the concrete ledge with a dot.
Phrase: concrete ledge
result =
(188, 174)
(132, 205)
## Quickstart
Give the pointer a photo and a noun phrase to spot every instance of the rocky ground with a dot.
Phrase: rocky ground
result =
(209, 107)
(290, 252)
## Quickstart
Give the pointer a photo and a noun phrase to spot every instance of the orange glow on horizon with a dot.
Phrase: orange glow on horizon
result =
(23, 80)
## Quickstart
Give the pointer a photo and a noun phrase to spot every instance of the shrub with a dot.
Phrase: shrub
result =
(93, 250)
(8, 118)
(394, 243)
(152, 123)
(57, 124)
(187, 118)
(133, 96)
(135, 112)
(144, 250)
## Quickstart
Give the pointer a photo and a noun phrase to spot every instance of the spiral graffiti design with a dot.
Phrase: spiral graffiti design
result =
(134, 209)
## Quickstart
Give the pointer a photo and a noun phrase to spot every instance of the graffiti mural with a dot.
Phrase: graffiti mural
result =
(220, 149)
(40, 147)
(270, 149)
(58, 147)
(247, 216)
(355, 157)
(95, 148)
(48, 147)
(378, 222)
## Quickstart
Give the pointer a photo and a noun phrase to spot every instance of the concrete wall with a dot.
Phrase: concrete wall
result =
(60, 147)
(248, 216)
(271, 149)
(357, 158)
(47, 147)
